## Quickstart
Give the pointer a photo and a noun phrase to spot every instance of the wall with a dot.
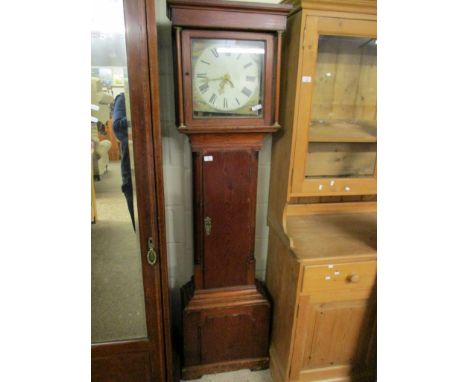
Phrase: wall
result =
(178, 178)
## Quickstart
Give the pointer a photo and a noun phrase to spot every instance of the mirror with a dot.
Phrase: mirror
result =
(117, 294)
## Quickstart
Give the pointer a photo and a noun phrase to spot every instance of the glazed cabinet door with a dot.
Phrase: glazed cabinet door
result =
(336, 145)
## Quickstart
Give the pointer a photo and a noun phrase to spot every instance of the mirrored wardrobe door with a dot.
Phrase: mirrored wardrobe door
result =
(118, 305)
(128, 314)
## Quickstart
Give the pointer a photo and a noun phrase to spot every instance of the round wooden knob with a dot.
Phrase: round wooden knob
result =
(353, 278)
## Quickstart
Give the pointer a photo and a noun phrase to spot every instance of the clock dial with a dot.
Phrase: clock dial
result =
(227, 77)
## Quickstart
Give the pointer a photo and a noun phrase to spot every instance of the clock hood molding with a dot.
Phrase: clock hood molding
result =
(233, 15)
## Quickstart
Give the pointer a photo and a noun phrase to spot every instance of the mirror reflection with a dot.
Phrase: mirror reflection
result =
(118, 310)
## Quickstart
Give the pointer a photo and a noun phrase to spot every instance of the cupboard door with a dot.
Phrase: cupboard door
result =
(229, 183)
(333, 339)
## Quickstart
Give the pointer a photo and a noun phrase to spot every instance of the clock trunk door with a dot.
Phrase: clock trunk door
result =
(229, 196)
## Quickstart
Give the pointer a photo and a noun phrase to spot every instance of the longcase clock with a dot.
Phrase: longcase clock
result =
(227, 63)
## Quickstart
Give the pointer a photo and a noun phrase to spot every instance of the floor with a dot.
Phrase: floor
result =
(244, 375)
(117, 300)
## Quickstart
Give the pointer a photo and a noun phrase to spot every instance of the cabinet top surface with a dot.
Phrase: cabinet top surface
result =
(333, 235)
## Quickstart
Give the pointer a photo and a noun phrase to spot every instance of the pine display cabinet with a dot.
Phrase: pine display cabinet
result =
(322, 260)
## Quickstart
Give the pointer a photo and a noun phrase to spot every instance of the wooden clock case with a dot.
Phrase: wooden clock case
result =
(226, 311)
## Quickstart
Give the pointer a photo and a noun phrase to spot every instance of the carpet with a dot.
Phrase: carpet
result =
(117, 298)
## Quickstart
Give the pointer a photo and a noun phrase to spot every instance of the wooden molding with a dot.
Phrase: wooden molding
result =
(215, 130)
(233, 15)
(356, 6)
(195, 372)
(329, 208)
(203, 142)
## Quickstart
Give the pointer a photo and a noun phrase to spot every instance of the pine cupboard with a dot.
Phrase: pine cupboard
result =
(322, 261)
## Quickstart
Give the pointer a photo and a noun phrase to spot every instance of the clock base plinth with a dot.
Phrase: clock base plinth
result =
(225, 329)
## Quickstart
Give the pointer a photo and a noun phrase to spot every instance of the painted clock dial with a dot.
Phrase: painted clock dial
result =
(227, 77)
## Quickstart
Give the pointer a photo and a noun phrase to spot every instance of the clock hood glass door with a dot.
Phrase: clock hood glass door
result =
(227, 79)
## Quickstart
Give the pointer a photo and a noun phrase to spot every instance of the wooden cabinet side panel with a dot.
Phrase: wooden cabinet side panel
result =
(282, 282)
(281, 149)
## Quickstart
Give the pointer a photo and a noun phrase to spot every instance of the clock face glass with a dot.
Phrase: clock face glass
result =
(227, 78)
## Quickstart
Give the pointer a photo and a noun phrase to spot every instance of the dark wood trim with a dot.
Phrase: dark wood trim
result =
(159, 178)
(279, 40)
(180, 93)
(246, 129)
(106, 349)
(195, 372)
(140, 96)
(222, 123)
(218, 14)
(141, 43)
(208, 142)
(280, 9)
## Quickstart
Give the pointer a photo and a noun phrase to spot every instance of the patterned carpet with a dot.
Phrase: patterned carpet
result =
(117, 301)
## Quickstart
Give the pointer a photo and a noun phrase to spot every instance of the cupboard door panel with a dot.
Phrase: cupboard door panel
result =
(333, 335)
(229, 204)
(128, 367)
(334, 338)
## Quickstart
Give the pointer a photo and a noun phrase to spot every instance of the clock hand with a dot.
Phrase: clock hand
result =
(226, 78)
(221, 86)
(213, 79)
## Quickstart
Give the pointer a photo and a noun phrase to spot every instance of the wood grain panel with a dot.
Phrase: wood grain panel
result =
(127, 367)
(335, 336)
(224, 329)
(341, 159)
(229, 201)
(234, 334)
(332, 338)
(282, 282)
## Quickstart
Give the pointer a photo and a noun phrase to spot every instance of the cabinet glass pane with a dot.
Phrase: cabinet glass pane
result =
(343, 128)
(340, 159)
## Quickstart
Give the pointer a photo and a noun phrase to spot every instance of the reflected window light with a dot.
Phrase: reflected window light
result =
(241, 50)
(328, 74)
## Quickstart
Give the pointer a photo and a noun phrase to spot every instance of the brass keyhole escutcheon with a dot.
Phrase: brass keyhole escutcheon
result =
(207, 226)
(151, 256)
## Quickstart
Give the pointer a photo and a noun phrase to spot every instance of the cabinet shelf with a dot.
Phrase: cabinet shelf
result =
(341, 131)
